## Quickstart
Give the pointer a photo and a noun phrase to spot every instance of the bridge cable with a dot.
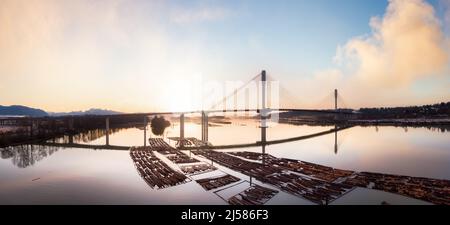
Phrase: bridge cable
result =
(234, 92)
(291, 99)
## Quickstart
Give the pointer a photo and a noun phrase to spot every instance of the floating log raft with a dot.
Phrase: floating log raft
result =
(155, 172)
(180, 158)
(314, 170)
(252, 155)
(322, 184)
(229, 161)
(316, 190)
(174, 155)
(198, 143)
(192, 170)
(212, 183)
(255, 195)
(431, 190)
(159, 145)
(189, 142)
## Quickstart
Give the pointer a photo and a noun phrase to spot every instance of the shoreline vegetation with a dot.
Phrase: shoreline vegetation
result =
(32, 130)
(442, 125)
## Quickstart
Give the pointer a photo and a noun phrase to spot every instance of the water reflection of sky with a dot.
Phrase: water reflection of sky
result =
(106, 176)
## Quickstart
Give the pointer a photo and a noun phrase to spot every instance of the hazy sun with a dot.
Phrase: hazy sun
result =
(181, 97)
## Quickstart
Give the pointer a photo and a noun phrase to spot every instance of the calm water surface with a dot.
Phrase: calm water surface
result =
(33, 175)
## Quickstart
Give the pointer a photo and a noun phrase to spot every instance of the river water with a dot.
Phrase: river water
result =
(62, 175)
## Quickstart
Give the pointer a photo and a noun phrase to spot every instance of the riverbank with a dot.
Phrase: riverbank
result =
(441, 123)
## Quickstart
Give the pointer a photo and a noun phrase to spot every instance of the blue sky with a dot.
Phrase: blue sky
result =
(299, 35)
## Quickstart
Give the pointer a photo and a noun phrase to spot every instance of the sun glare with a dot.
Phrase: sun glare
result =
(180, 97)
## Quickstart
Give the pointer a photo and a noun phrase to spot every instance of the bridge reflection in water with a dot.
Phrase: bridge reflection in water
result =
(263, 143)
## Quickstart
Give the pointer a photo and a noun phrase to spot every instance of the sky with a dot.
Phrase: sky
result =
(139, 56)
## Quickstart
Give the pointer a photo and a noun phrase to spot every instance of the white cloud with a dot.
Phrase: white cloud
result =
(406, 45)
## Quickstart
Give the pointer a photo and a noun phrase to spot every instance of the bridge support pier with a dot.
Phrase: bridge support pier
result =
(31, 128)
(205, 127)
(337, 116)
(335, 140)
(264, 111)
(335, 99)
(107, 130)
(38, 127)
(263, 114)
(53, 124)
(145, 131)
(70, 124)
(182, 130)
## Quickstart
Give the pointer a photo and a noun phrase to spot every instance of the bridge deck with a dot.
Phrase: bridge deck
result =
(4, 119)
(247, 145)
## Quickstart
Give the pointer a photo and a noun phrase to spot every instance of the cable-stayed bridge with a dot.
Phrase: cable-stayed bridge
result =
(267, 100)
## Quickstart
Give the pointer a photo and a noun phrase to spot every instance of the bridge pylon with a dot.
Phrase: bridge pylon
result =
(205, 127)
(335, 99)
(263, 113)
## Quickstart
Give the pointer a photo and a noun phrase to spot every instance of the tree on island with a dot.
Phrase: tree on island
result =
(159, 124)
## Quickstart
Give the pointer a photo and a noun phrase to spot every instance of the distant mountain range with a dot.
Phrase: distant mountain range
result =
(19, 110)
(87, 112)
